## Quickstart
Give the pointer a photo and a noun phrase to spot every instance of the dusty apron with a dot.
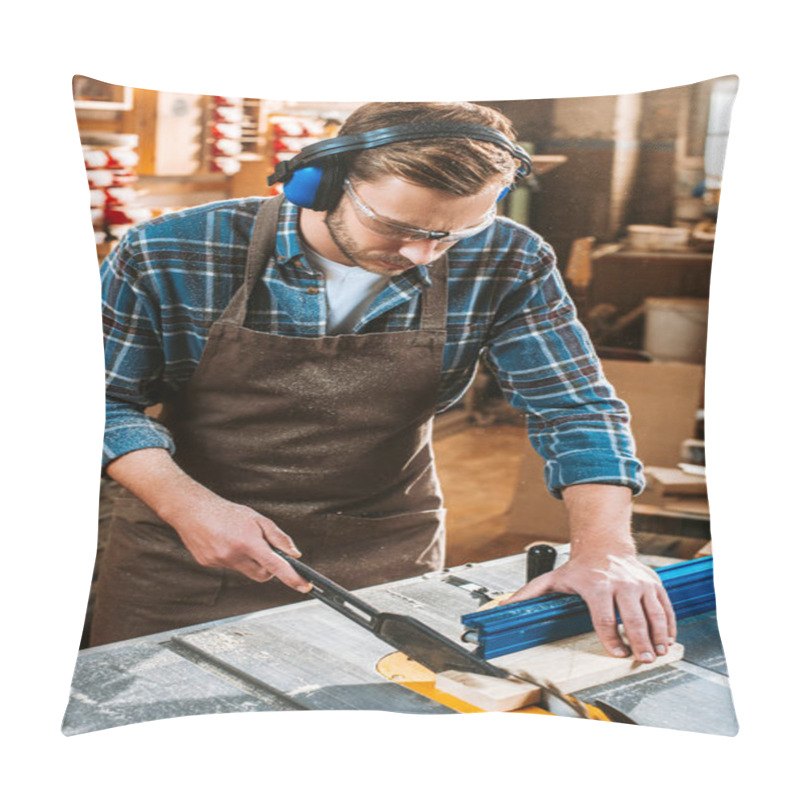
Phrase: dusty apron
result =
(330, 437)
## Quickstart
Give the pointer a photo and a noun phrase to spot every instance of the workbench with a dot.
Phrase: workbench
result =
(306, 656)
(625, 278)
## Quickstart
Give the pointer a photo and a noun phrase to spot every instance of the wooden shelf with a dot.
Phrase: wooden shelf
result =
(542, 164)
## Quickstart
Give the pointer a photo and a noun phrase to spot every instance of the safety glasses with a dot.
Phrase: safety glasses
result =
(407, 233)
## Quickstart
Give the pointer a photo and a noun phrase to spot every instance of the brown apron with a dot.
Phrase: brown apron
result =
(330, 437)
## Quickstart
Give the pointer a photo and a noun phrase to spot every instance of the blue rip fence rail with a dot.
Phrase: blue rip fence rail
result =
(507, 629)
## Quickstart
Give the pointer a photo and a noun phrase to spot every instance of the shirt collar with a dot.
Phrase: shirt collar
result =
(288, 245)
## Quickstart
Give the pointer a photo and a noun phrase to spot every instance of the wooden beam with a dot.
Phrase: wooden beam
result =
(572, 664)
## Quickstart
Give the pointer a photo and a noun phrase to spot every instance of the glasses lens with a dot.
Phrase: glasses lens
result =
(390, 231)
(394, 230)
(457, 236)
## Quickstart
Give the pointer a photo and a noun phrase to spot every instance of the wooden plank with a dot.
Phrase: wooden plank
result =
(705, 550)
(576, 663)
(670, 480)
(689, 505)
(663, 546)
(490, 694)
(657, 519)
(580, 662)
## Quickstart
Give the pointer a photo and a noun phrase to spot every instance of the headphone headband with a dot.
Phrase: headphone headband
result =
(399, 133)
(321, 171)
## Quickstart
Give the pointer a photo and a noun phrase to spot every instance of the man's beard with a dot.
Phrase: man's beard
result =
(366, 259)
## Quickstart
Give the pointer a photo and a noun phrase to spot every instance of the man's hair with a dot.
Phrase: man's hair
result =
(457, 166)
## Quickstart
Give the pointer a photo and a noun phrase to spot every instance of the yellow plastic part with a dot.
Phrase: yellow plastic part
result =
(399, 668)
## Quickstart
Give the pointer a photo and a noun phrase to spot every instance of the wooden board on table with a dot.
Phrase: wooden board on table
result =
(572, 664)
(705, 550)
(689, 505)
(490, 694)
(670, 480)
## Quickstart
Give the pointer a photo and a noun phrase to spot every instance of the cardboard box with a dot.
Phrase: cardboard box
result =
(663, 399)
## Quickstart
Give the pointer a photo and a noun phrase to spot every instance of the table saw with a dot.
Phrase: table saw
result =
(306, 656)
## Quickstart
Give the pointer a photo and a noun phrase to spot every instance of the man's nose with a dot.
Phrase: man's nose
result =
(423, 251)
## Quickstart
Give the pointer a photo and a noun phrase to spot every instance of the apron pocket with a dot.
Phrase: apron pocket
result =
(364, 551)
(146, 561)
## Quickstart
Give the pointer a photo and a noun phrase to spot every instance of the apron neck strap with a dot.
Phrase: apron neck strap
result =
(433, 313)
(262, 246)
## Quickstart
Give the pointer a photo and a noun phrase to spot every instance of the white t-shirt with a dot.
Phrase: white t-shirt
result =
(348, 291)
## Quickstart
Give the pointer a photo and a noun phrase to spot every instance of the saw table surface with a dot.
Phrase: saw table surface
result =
(306, 656)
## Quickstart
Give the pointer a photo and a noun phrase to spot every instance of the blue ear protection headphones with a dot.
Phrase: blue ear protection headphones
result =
(314, 178)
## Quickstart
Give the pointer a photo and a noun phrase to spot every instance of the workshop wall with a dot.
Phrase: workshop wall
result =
(662, 134)
(625, 157)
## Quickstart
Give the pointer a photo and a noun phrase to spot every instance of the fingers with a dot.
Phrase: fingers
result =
(631, 612)
(267, 565)
(647, 619)
(672, 623)
(280, 569)
(536, 588)
(277, 538)
(250, 568)
(272, 563)
(599, 599)
(658, 623)
(242, 541)
(604, 620)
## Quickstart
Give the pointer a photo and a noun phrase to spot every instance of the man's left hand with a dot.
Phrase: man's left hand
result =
(609, 583)
(604, 570)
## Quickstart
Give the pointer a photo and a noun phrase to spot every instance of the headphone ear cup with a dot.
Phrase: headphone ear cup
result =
(303, 186)
(315, 186)
(331, 185)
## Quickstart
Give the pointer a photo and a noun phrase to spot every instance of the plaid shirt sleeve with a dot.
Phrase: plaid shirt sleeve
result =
(133, 355)
(547, 367)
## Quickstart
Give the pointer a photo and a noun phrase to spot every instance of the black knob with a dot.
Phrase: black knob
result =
(541, 559)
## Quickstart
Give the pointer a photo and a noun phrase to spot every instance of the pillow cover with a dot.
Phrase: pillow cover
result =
(625, 189)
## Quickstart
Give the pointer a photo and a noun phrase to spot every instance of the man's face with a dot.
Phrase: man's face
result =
(396, 200)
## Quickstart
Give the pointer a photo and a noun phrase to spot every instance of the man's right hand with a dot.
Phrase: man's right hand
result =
(217, 532)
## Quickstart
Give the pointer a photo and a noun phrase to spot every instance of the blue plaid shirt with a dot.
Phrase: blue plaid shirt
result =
(170, 278)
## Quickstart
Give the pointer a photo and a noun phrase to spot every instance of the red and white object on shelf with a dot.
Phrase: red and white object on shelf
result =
(110, 161)
(127, 215)
(227, 115)
(103, 178)
(296, 127)
(110, 158)
(226, 147)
